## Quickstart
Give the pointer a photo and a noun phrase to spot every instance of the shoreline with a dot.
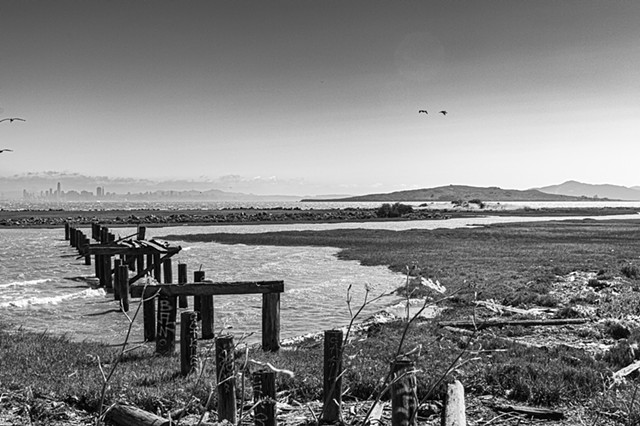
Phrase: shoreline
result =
(253, 216)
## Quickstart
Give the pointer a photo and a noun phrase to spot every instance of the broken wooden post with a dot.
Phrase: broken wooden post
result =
(206, 313)
(123, 272)
(106, 274)
(141, 232)
(149, 319)
(453, 413)
(166, 326)
(139, 263)
(225, 372)
(271, 322)
(157, 267)
(167, 309)
(264, 398)
(332, 389)
(198, 276)
(87, 257)
(188, 342)
(404, 399)
(116, 279)
(182, 278)
(167, 271)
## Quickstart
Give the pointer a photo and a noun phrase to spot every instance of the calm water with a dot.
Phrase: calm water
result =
(43, 287)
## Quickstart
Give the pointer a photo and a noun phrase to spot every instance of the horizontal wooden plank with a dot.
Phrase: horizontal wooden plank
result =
(107, 250)
(524, 323)
(210, 288)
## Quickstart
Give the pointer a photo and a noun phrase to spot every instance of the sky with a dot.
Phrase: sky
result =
(322, 97)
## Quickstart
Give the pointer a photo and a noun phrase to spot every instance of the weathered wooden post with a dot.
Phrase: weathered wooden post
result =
(225, 370)
(149, 319)
(182, 279)
(123, 272)
(106, 274)
(270, 322)
(264, 398)
(198, 276)
(72, 236)
(139, 263)
(66, 231)
(404, 399)
(140, 258)
(453, 413)
(166, 327)
(157, 267)
(87, 257)
(167, 310)
(332, 389)
(188, 342)
(167, 270)
(206, 313)
(117, 286)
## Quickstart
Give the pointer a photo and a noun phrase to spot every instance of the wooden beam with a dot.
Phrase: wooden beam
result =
(210, 289)
(113, 250)
(502, 323)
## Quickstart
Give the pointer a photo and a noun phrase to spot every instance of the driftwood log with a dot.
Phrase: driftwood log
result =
(538, 413)
(128, 415)
(523, 323)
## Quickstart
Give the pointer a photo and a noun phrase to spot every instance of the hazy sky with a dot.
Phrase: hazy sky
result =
(323, 96)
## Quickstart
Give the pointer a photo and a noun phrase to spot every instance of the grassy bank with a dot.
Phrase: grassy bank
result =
(569, 368)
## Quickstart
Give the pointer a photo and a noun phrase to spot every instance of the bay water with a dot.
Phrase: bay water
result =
(45, 288)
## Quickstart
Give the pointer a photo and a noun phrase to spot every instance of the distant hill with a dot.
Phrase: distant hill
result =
(461, 192)
(578, 189)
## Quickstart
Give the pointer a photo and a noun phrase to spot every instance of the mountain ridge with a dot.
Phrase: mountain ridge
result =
(462, 192)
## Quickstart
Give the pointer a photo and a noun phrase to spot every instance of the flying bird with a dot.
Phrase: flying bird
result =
(443, 112)
(11, 120)
(5, 149)
(423, 110)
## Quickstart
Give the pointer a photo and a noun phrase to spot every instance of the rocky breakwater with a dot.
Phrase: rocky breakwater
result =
(161, 217)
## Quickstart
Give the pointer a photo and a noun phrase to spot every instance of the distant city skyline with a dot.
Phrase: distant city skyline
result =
(322, 97)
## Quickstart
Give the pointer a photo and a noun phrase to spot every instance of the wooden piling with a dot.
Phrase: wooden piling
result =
(87, 257)
(332, 389)
(183, 302)
(66, 231)
(142, 230)
(167, 271)
(123, 277)
(157, 267)
(188, 342)
(106, 274)
(166, 325)
(271, 322)
(225, 370)
(264, 398)
(116, 279)
(453, 413)
(149, 319)
(404, 399)
(198, 276)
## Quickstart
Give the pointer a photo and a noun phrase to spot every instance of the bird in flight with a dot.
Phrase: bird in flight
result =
(443, 112)
(5, 149)
(11, 120)
(423, 110)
